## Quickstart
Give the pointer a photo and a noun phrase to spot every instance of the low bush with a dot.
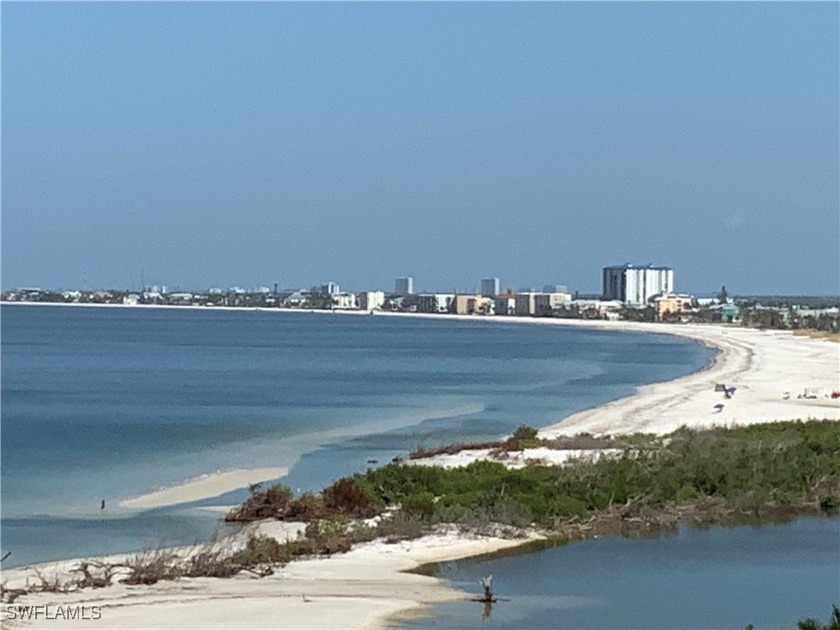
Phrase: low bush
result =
(348, 498)
(152, 566)
(272, 502)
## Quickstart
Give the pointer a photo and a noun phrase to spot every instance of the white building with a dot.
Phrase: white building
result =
(344, 301)
(404, 286)
(489, 287)
(435, 302)
(370, 300)
(636, 284)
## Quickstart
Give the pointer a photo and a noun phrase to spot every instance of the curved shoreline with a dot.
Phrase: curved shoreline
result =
(368, 586)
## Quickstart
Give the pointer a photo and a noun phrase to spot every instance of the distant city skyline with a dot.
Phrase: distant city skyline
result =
(201, 145)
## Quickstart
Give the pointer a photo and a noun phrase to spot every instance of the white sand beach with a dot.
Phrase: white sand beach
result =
(363, 588)
(210, 485)
(769, 370)
(359, 589)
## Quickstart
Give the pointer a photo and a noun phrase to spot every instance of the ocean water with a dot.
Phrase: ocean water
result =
(115, 402)
(769, 576)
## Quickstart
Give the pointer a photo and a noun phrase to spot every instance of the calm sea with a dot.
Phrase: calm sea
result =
(114, 402)
(769, 576)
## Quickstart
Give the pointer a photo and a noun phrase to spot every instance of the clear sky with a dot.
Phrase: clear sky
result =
(219, 144)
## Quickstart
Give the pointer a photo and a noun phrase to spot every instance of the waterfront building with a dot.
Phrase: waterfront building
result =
(636, 284)
(672, 305)
(344, 301)
(435, 302)
(489, 287)
(525, 303)
(404, 286)
(370, 300)
(545, 303)
(504, 304)
(471, 304)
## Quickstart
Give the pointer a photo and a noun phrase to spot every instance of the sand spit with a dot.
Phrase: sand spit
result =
(359, 589)
(206, 486)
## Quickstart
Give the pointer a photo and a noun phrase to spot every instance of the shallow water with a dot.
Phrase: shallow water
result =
(769, 576)
(110, 403)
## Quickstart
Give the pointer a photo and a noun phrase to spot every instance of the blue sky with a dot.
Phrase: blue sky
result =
(246, 144)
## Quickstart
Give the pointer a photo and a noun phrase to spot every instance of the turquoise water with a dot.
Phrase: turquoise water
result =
(770, 576)
(110, 403)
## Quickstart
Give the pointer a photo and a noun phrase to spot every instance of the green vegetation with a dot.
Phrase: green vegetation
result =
(721, 475)
(753, 470)
(763, 471)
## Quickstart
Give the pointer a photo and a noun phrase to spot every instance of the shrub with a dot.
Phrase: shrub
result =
(328, 536)
(210, 563)
(347, 497)
(524, 433)
(264, 550)
(152, 566)
(402, 527)
(421, 505)
(270, 503)
(307, 507)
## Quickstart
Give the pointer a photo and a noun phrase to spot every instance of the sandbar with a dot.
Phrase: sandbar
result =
(204, 487)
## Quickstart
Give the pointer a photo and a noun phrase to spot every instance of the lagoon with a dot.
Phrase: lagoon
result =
(770, 576)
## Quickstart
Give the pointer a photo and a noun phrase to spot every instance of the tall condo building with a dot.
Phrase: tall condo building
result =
(330, 288)
(404, 286)
(636, 284)
(489, 287)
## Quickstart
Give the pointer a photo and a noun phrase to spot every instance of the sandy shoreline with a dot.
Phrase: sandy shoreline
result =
(209, 485)
(365, 587)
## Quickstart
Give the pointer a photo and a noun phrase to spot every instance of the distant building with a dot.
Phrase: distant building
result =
(370, 300)
(526, 303)
(292, 299)
(471, 305)
(490, 287)
(435, 302)
(505, 304)
(404, 286)
(555, 288)
(343, 301)
(597, 308)
(636, 284)
(330, 288)
(545, 303)
(672, 305)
